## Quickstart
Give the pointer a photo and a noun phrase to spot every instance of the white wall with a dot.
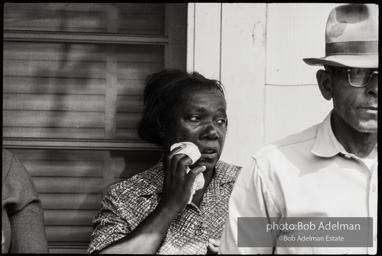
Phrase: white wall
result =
(293, 100)
(256, 50)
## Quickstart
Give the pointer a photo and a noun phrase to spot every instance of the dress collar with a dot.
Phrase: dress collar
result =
(152, 179)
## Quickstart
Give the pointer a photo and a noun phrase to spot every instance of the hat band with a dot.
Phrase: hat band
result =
(352, 48)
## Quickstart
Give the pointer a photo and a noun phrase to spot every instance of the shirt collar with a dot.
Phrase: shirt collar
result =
(151, 181)
(326, 144)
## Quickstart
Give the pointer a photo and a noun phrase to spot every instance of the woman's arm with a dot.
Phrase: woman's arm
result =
(148, 235)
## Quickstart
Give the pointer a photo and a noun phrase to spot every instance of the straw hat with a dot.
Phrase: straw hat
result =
(351, 37)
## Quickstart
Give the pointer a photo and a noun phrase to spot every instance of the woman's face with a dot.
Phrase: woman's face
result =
(200, 117)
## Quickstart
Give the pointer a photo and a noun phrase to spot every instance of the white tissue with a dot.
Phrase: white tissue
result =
(192, 151)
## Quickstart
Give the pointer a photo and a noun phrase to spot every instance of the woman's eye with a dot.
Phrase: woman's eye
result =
(221, 121)
(194, 118)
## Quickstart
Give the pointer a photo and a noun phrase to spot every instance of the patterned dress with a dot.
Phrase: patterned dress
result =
(129, 202)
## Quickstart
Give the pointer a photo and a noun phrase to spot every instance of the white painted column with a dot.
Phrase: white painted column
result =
(243, 75)
(203, 39)
(226, 42)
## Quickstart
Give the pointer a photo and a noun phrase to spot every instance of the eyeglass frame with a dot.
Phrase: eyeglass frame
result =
(348, 74)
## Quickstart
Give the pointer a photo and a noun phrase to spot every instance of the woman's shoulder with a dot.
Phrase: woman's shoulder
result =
(144, 183)
(227, 172)
(228, 165)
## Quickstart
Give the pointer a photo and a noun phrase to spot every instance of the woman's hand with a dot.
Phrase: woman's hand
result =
(213, 246)
(147, 237)
(177, 182)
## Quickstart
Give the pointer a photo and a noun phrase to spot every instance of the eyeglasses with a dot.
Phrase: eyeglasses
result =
(357, 77)
(360, 77)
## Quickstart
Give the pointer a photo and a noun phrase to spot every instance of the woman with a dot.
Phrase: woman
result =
(149, 213)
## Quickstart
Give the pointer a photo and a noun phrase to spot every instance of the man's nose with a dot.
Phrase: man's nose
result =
(372, 87)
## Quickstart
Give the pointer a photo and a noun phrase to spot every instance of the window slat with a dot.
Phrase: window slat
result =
(64, 168)
(58, 102)
(92, 38)
(88, 7)
(54, 51)
(46, 85)
(40, 132)
(56, 201)
(63, 248)
(137, 70)
(64, 51)
(131, 87)
(130, 134)
(68, 233)
(129, 104)
(56, 119)
(59, 155)
(97, 145)
(129, 120)
(69, 217)
(64, 69)
(65, 184)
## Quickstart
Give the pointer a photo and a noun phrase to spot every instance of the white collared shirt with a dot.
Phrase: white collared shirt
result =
(308, 174)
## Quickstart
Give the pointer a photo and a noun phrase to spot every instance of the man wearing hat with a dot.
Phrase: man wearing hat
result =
(330, 169)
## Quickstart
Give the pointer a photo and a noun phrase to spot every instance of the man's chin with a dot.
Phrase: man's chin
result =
(368, 127)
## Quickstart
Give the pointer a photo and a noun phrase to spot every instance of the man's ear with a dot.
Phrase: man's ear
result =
(325, 83)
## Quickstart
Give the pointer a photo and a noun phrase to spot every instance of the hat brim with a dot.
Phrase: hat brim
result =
(352, 61)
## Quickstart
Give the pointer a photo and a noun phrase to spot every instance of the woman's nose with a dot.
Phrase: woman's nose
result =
(210, 132)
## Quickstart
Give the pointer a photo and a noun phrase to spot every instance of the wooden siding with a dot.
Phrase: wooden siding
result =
(271, 92)
(71, 184)
(73, 78)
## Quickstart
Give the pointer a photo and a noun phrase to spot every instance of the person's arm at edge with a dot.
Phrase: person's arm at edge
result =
(27, 218)
(28, 230)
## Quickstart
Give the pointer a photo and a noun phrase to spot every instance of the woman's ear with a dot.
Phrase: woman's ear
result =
(161, 130)
(161, 124)
(325, 83)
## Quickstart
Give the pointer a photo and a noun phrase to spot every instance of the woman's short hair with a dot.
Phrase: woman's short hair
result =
(163, 91)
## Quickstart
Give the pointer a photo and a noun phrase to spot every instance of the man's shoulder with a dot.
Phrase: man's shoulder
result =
(300, 140)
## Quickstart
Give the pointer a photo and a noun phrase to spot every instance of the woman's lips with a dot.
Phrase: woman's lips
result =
(209, 153)
(209, 156)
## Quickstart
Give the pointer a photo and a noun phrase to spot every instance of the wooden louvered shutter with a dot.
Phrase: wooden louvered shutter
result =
(73, 77)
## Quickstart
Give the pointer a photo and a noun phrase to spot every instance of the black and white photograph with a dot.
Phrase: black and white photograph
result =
(190, 128)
